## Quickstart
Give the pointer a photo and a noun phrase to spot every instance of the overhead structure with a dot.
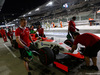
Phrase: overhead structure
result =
(1, 4)
(54, 9)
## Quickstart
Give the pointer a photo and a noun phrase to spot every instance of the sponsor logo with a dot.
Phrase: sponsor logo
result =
(41, 43)
(44, 44)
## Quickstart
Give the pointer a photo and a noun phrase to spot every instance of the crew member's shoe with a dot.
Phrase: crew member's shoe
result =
(29, 73)
(30, 68)
(94, 68)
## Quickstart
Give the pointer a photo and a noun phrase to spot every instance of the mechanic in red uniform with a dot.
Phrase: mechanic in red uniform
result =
(22, 38)
(92, 46)
(3, 34)
(41, 31)
(72, 27)
(10, 35)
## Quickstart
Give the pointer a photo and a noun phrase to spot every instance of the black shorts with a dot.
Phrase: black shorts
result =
(92, 51)
(23, 53)
(10, 38)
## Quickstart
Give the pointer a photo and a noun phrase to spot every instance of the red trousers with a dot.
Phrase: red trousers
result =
(4, 38)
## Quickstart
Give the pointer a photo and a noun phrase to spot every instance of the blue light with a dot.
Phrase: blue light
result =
(65, 5)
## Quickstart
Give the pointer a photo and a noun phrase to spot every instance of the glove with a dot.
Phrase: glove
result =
(26, 48)
(77, 29)
(33, 46)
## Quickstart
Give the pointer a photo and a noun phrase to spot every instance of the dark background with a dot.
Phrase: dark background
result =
(12, 9)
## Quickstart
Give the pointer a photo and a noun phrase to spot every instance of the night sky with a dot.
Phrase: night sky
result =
(14, 8)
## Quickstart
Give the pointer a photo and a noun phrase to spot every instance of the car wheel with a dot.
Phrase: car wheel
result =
(68, 42)
(46, 56)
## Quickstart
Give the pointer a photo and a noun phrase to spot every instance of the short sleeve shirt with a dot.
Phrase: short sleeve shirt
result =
(24, 36)
(10, 34)
(41, 31)
(86, 39)
(2, 31)
(72, 26)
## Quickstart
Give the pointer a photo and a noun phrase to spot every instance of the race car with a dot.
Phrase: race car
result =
(58, 54)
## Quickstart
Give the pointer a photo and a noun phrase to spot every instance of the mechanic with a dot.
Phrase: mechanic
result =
(10, 35)
(53, 24)
(72, 27)
(61, 24)
(3, 34)
(22, 38)
(32, 30)
(41, 31)
(92, 46)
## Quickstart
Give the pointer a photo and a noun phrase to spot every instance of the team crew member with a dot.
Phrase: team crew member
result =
(10, 35)
(22, 38)
(92, 44)
(53, 25)
(32, 31)
(72, 27)
(61, 24)
(41, 31)
(3, 34)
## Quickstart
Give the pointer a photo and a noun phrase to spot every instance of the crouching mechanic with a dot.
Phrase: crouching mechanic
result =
(92, 46)
(22, 38)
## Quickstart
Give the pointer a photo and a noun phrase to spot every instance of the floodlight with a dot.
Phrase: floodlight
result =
(37, 9)
(24, 15)
(29, 12)
(49, 4)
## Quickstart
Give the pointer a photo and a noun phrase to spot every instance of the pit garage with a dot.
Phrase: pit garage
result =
(52, 56)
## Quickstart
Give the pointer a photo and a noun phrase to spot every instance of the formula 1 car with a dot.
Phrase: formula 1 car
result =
(58, 54)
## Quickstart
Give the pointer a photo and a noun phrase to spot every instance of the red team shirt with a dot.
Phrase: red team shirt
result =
(2, 31)
(41, 31)
(10, 34)
(24, 35)
(86, 39)
(72, 26)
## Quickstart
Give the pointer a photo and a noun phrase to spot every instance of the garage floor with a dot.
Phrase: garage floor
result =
(10, 64)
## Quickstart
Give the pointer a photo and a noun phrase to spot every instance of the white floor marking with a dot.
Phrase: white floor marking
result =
(10, 51)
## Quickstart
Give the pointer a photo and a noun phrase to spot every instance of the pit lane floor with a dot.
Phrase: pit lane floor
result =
(10, 64)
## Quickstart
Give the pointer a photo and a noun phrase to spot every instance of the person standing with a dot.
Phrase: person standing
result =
(61, 24)
(41, 31)
(22, 38)
(10, 35)
(72, 26)
(32, 30)
(92, 46)
(53, 24)
(3, 34)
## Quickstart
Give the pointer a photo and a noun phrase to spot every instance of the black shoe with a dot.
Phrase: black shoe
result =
(85, 67)
(29, 73)
(94, 68)
(30, 68)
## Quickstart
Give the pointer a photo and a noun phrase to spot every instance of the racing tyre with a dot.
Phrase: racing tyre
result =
(46, 56)
(68, 42)
(52, 38)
